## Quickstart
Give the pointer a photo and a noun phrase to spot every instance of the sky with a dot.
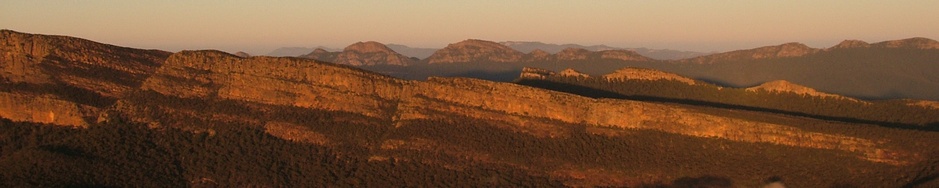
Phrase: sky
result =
(257, 27)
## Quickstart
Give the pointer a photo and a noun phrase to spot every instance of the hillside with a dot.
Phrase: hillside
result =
(780, 96)
(209, 118)
(660, 54)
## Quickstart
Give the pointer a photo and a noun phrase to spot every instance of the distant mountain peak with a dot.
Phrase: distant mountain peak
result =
(914, 43)
(792, 49)
(852, 44)
(371, 53)
(368, 47)
(573, 54)
(321, 54)
(475, 50)
(632, 73)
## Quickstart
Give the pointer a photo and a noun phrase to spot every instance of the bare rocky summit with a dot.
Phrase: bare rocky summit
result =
(474, 50)
(371, 53)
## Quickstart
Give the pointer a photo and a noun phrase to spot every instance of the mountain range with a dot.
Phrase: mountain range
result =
(81, 113)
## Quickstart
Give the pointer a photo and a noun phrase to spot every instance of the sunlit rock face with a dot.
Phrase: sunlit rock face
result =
(310, 84)
(44, 109)
(63, 79)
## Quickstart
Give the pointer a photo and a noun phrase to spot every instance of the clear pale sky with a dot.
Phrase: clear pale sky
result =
(258, 27)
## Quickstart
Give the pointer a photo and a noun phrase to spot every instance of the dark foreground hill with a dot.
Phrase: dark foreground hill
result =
(208, 118)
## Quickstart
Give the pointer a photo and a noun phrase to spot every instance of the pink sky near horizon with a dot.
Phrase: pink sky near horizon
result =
(258, 27)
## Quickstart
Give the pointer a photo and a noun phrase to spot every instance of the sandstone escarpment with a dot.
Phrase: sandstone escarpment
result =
(780, 51)
(371, 53)
(309, 84)
(106, 69)
(631, 73)
(473, 50)
(270, 80)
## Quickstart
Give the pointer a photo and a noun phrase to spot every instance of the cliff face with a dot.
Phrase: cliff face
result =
(53, 68)
(371, 53)
(308, 84)
(40, 59)
(49, 109)
(780, 51)
(473, 50)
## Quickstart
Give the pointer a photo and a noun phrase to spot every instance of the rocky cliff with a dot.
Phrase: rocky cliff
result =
(43, 59)
(314, 85)
(64, 76)
(780, 51)
(474, 50)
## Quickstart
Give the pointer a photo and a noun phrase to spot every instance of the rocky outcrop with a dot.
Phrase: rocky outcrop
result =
(309, 84)
(371, 53)
(293, 132)
(631, 73)
(780, 51)
(573, 73)
(320, 54)
(535, 73)
(43, 109)
(925, 104)
(540, 74)
(786, 86)
(474, 50)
